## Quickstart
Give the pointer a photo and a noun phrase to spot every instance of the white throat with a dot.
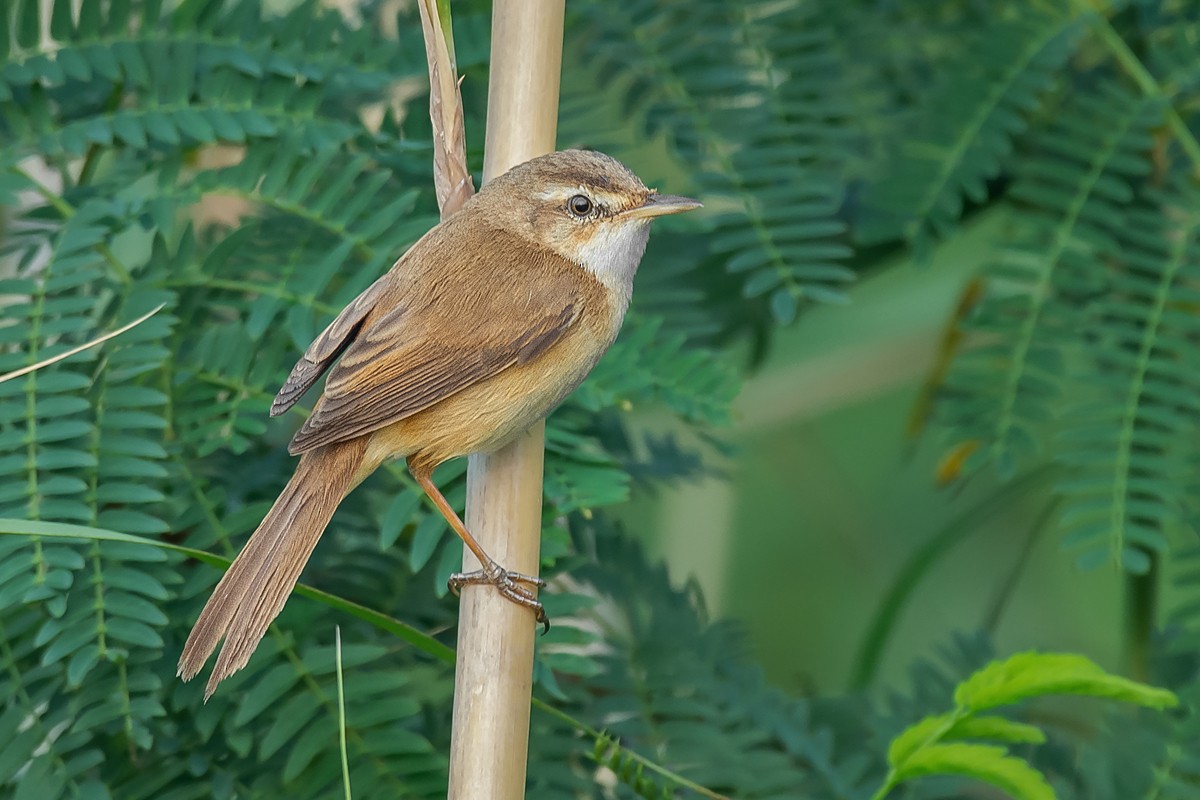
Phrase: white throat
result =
(613, 255)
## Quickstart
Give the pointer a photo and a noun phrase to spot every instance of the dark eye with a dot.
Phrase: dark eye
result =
(580, 205)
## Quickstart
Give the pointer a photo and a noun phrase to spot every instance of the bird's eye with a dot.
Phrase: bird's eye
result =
(580, 205)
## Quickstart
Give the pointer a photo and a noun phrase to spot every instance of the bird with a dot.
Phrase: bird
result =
(478, 331)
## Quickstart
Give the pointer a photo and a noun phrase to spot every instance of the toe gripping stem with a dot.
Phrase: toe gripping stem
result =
(511, 585)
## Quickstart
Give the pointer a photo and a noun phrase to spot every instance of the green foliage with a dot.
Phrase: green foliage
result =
(936, 746)
(1028, 675)
(807, 127)
(760, 130)
(968, 121)
(1081, 351)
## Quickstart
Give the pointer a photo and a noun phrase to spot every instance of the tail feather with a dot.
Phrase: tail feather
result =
(254, 589)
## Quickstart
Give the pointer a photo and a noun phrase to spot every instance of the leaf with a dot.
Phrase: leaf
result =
(399, 513)
(81, 664)
(995, 728)
(1033, 674)
(425, 540)
(951, 726)
(292, 716)
(318, 737)
(985, 763)
(783, 306)
(266, 692)
(918, 735)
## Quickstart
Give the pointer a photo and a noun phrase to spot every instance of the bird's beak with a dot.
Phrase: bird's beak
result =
(658, 205)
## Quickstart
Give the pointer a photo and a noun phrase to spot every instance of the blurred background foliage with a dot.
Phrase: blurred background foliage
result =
(948, 266)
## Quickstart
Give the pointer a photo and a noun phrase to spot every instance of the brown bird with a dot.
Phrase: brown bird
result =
(485, 325)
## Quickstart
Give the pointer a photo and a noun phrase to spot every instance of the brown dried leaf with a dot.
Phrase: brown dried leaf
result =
(451, 178)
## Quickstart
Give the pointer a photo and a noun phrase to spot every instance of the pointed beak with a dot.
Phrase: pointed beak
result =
(658, 205)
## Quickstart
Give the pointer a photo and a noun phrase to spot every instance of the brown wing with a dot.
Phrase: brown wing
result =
(430, 338)
(327, 347)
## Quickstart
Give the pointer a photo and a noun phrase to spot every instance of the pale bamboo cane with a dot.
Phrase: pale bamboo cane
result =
(493, 679)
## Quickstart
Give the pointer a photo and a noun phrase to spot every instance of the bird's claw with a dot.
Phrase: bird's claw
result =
(509, 584)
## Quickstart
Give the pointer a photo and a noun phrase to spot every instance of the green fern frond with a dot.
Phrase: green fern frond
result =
(970, 121)
(357, 203)
(942, 744)
(1074, 193)
(124, 42)
(38, 760)
(1123, 493)
(693, 382)
(1170, 31)
(677, 686)
(788, 170)
(44, 419)
(757, 132)
(288, 696)
(197, 77)
(69, 433)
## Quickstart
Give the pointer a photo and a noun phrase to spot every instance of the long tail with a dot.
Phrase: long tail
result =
(254, 589)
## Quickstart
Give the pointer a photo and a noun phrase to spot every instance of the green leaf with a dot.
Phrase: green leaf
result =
(104, 61)
(81, 664)
(292, 716)
(918, 735)
(985, 763)
(266, 692)
(995, 728)
(320, 735)
(134, 580)
(135, 633)
(952, 726)
(425, 540)
(129, 129)
(160, 126)
(81, 633)
(18, 747)
(1033, 674)
(42, 780)
(399, 513)
(134, 607)
(783, 306)
(131, 521)
(73, 62)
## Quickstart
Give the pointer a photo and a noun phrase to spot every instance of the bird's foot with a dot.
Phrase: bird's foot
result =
(510, 586)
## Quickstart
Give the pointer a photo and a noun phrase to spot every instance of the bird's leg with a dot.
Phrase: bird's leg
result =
(508, 583)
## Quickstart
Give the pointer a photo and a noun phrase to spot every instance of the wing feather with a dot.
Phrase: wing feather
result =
(423, 341)
(325, 349)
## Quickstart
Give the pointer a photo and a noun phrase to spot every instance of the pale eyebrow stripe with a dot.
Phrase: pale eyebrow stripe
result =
(610, 202)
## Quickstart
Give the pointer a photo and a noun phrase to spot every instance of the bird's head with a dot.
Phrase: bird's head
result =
(583, 205)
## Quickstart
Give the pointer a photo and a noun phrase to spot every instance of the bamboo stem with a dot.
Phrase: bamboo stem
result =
(494, 673)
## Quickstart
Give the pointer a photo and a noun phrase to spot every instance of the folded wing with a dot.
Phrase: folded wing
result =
(424, 340)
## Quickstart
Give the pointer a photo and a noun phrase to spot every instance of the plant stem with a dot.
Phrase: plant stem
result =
(1000, 601)
(587, 730)
(894, 601)
(92, 158)
(341, 690)
(250, 288)
(1142, 76)
(1141, 611)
